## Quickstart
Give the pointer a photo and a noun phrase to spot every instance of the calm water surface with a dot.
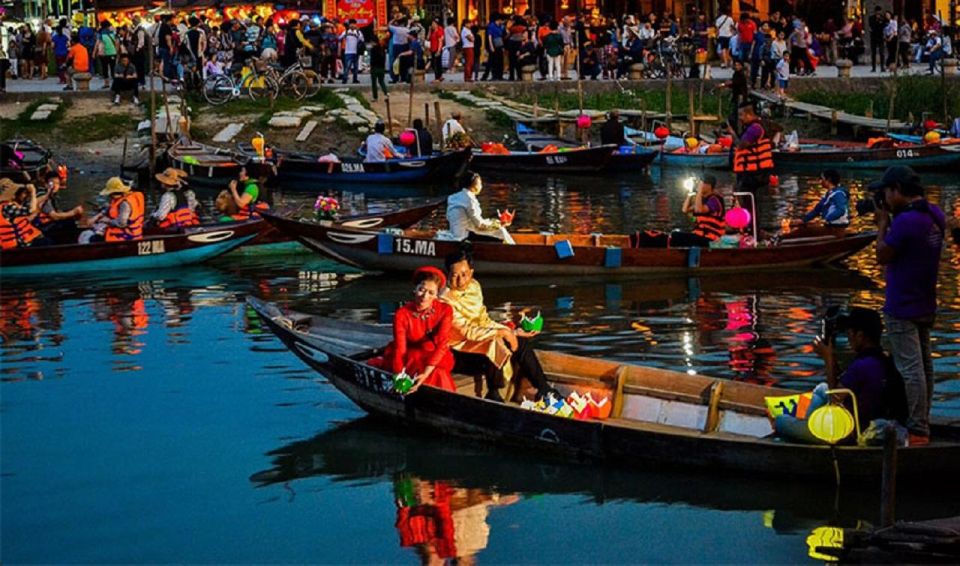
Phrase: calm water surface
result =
(149, 417)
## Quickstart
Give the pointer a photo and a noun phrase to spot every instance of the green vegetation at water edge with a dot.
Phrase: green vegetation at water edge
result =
(499, 118)
(915, 96)
(97, 127)
(22, 125)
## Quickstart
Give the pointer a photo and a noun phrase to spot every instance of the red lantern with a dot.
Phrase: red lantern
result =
(661, 132)
(584, 121)
(738, 218)
(929, 125)
(726, 142)
(407, 137)
(774, 181)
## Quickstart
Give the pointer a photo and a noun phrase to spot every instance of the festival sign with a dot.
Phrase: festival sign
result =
(363, 11)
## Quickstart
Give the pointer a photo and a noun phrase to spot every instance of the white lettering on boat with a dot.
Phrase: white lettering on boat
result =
(416, 247)
(907, 153)
(548, 435)
(370, 377)
(352, 167)
(150, 247)
(556, 159)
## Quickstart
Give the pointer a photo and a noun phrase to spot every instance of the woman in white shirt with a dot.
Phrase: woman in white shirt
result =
(726, 28)
(466, 43)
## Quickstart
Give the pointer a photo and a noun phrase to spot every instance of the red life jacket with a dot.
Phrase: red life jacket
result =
(757, 157)
(708, 224)
(17, 233)
(134, 227)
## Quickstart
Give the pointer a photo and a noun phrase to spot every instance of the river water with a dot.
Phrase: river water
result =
(148, 417)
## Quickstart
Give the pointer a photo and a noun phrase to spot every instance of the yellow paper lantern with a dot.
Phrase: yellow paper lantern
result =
(931, 137)
(692, 143)
(831, 423)
(258, 145)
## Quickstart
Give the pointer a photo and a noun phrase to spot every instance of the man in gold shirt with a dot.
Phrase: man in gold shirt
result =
(482, 345)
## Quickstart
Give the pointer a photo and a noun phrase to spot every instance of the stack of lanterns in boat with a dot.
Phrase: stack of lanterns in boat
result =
(576, 406)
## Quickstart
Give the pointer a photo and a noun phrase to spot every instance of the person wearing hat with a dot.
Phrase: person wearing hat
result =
(933, 49)
(909, 244)
(379, 147)
(123, 218)
(177, 207)
(421, 335)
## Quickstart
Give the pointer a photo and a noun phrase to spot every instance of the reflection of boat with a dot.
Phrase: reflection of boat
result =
(852, 155)
(367, 448)
(295, 168)
(573, 161)
(194, 245)
(562, 254)
(19, 156)
(660, 417)
(624, 160)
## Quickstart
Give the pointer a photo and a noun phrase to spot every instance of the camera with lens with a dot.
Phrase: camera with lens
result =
(875, 201)
(830, 324)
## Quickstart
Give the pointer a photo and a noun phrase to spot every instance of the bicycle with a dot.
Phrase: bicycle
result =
(664, 60)
(253, 81)
(297, 81)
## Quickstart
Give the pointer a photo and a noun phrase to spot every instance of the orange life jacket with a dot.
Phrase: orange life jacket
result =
(252, 210)
(708, 224)
(182, 216)
(134, 227)
(757, 157)
(17, 233)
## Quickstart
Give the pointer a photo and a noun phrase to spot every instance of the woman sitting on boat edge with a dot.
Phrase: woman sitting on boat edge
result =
(421, 335)
(239, 207)
(466, 220)
(122, 220)
(177, 207)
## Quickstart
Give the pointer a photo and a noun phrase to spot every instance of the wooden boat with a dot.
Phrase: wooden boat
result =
(626, 159)
(154, 251)
(19, 156)
(537, 254)
(213, 167)
(816, 153)
(574, 161)
(299, 170)
(660, 418)
(694, 160)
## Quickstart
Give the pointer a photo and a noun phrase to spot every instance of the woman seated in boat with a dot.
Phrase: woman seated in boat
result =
(16, 220)
(833, 210)
(122, 220)
(177, 207)
(59, 226)
(248, 204)
(421, 335)
(466, 217)
(706, 207)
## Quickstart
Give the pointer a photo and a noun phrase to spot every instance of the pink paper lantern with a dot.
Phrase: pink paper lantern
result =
(661, 132)
(407, 138)
(584, 121)
(738, 218)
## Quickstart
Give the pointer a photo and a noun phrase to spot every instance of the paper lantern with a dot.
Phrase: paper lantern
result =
(407, 138)
(738, 218)
(931, 137)
(584, 121)
(929, 125)
(726, 142)
(692, 143)
(661, 132)
(774, 181)
(62, 172)
(258, 144)
(830, 423)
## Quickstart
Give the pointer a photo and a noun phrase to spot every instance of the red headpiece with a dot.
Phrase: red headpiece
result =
(433, 271)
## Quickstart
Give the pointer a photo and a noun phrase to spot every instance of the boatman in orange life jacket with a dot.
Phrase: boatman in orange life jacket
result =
(122, 221)
(753, 151)
(50, 219)
(177, 207)
(16, 220)
(707, 209)
(248, 202)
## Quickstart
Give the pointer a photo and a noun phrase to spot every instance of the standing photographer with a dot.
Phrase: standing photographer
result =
(909, 245)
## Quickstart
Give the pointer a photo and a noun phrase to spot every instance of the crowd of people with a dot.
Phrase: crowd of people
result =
(596, 47)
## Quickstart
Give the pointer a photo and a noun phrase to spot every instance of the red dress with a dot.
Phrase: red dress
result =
(422, 339)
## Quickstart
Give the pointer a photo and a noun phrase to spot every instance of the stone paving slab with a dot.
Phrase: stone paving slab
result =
(228, 133)
(307, 130)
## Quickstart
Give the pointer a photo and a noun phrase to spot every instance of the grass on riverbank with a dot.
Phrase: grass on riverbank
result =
(634, 99)
(22, 125)
(915, 96)
(97, 127)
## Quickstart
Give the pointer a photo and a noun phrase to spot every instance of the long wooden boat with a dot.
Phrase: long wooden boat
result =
(19, 156)
(626, 159)
(660, 418)
(301, 170)
(213, 167)
(154, 251)
(537, 254)
(815, 153)
(694, 160)
(575, 161)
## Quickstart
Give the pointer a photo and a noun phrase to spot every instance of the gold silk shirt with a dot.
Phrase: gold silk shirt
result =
(474, 332)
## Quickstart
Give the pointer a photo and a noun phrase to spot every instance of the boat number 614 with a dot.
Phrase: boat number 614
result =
(150, 247)
(902, 153)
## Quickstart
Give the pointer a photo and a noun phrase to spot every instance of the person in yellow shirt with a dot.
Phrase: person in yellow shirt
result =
(482, 346)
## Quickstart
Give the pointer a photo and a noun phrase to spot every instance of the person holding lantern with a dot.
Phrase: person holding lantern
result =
(466, 220)
(379, 147)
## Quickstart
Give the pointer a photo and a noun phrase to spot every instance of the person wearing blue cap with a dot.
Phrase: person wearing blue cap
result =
(910, 235)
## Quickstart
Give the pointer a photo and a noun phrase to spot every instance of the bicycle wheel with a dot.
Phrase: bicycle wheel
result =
(260, 86)
(314, 82)
(294, 85)
(218, 89)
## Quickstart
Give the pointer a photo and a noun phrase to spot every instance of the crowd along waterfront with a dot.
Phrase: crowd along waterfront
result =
(150, 417)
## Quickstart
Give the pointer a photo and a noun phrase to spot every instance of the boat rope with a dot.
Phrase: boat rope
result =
(836, 467)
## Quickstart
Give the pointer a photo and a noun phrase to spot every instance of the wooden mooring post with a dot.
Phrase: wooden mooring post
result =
(888, 485)
(436, 112)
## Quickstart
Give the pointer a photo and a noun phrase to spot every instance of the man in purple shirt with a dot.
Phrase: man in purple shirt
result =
(909, 246)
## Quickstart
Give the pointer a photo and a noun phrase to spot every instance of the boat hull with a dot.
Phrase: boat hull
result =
(694, 160)
(627, 162)
(386, 252)
(577, 161)
(931, 157)
(152, 252)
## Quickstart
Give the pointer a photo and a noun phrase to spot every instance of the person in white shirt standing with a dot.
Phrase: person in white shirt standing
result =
(451, 127)
(467, 43)
(726, 28)
(466, 220)
(379, 146)
(451, 37)
(351, 38)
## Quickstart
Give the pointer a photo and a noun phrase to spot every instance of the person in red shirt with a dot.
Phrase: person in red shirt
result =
(436, 49)
(421, 334)
(78, 61)
(746, 30)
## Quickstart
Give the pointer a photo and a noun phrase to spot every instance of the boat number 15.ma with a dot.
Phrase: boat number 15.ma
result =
(150, 247)
(415, 247)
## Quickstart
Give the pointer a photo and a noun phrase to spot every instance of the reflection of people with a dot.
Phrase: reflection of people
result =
(909, 246)
(465, 216)
(421, 334)
(483, 346)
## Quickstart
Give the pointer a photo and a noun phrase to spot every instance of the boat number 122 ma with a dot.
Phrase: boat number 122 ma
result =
(416, 247)
(150, 247)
